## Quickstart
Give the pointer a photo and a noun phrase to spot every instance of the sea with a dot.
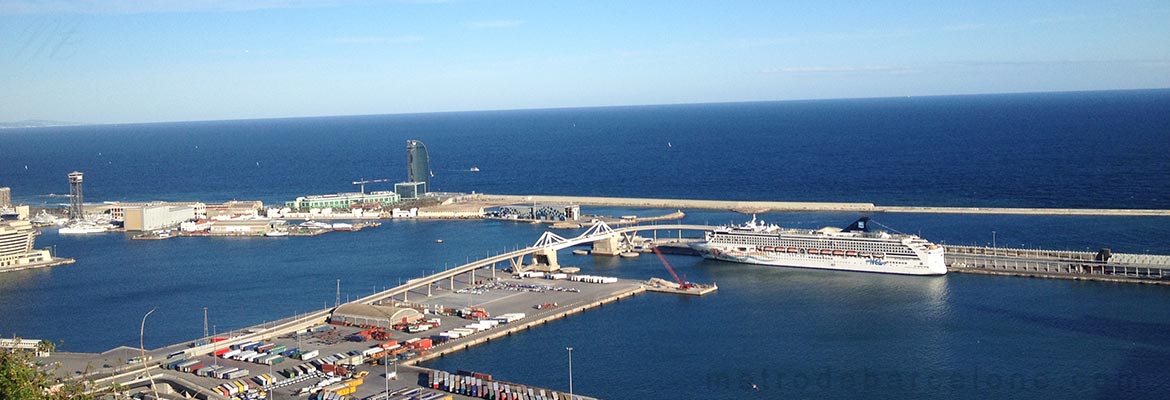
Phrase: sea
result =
(767, 333)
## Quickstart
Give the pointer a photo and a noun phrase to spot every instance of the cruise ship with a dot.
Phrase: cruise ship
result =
(855, 248)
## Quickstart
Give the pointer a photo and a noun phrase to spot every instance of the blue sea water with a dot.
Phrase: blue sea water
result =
(793, 333)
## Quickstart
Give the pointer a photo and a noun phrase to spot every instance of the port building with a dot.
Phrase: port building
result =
(234, 209)
(410, 190)
(16, 245)
(372, 315)
(5, 197)
(344, 201)
(244, 226)
(156, 216)
(542, 212)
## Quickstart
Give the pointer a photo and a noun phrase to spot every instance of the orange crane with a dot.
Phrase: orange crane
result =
(681, 284)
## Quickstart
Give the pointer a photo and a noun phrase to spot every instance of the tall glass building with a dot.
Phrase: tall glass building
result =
(418, 163)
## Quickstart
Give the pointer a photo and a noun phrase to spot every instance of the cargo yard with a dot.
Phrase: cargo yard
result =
(364, 350)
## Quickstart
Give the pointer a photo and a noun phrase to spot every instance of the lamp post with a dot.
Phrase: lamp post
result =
(570, 349)
(142, 347)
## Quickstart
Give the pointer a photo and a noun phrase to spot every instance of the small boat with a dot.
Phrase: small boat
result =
(276, 233)
(438, 240)
(474, 169)
(82, 227)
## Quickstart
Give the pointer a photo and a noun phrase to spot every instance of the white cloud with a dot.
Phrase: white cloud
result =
(9, 7)
(962, 27)
(837, 69)
(374, 39)
(497, 24)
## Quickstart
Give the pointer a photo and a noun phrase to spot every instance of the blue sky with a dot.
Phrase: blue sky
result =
(154, 60)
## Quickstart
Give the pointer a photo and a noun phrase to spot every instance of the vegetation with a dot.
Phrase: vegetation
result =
(21, 379)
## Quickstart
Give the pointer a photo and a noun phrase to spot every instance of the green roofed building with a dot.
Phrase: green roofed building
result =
(344, 200)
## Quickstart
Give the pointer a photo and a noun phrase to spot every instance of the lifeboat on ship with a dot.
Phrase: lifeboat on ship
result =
(793, 250)
(879, 255)
(814, 251)
(851, 253)
(838, 252)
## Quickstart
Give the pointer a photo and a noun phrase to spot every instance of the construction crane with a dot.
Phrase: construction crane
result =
(363, 183)
(681, 284)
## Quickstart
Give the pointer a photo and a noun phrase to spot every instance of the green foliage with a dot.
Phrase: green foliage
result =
(21, 380)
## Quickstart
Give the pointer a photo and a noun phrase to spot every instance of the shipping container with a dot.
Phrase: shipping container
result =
(230, 354)
(185, 363)
(220, 352)
(239, 373)
(309, 355)
(277, 349)
(222, 374)
(173, 364)
(208, 370)
(264, 348)
(193, 368)
(372, 351)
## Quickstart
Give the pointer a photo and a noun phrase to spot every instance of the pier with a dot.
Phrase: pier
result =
(539, 300)
(1102, 265)
(783, 206)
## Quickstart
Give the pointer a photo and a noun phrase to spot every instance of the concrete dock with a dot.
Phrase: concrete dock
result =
(494, 291)
(782, 206)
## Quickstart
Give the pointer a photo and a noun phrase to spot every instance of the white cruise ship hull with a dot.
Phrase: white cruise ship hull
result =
(929, 264)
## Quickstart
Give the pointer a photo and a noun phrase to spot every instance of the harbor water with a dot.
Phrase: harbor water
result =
(767, 333)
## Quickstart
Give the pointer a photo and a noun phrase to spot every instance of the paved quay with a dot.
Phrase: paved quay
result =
(502, 295)
(780, 206)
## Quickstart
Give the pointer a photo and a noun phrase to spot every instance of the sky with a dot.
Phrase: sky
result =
(94, 61)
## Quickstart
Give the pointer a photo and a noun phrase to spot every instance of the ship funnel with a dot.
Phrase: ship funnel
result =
(861, 225)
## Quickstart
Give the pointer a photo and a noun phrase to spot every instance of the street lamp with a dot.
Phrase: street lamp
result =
(570, 349)
(142, 347)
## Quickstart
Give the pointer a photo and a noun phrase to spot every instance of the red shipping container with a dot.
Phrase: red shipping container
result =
(389, 344)
(327, 368)
(217, 339)
(221, 352)
(423, 344)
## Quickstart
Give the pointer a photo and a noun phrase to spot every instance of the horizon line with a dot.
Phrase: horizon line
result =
(59, 124)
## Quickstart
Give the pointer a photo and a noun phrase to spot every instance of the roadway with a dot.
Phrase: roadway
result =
(782, 206)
